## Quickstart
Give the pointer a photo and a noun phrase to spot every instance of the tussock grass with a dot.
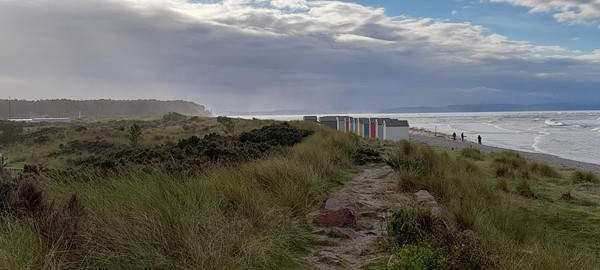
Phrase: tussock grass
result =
(515, 233)
(584, 177)
(523, 189)
(472, 153)
(250, 216)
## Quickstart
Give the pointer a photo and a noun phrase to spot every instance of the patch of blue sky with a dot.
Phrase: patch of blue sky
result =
(514, 22)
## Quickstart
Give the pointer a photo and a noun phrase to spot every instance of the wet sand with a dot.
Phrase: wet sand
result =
(445, 141)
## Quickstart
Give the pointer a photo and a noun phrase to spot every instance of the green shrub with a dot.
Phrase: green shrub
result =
(135, 132)
(93, 147)
(415, 257)
(282, 134)
(584, 177)
(408, 226)
(472, 153)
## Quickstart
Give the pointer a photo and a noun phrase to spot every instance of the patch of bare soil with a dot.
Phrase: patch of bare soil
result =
(373, 197)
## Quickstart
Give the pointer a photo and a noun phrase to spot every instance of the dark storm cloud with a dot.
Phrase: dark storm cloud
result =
(257, 55)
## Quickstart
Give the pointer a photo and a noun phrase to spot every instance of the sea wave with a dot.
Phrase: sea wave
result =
(554, 123)
(596, 129)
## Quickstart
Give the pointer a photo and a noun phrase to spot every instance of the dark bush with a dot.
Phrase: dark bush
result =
(92, 147)
(194, 154)
(282, 134)
(173, 117)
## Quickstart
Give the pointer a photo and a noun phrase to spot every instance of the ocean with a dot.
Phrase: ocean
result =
(570, 134)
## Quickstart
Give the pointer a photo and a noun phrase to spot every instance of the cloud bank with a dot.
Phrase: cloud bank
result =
(261, 55)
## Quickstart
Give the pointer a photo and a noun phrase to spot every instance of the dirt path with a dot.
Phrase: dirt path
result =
(372, 196)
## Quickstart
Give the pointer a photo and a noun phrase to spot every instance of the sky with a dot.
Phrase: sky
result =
(259, 55)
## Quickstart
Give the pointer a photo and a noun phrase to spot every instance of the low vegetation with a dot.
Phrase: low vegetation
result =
(234, 201)
(503, 212)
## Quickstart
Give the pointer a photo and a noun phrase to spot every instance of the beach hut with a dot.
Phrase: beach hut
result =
(347, 124)
(373, 128)
(341, 123)
(329, 121)
(380, 133)
(309, 118)
(363, 125)
(395, 130)
(359, 124)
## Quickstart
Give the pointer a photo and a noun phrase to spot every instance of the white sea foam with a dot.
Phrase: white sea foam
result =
(553, 123)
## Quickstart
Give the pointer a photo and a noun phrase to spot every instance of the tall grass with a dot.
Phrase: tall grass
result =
(473, 200)
(246, 217)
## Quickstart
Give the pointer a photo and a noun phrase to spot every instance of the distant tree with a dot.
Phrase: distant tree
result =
(135, 132)
(227, 124)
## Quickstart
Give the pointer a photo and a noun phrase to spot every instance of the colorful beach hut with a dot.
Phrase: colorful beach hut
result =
(373, 128)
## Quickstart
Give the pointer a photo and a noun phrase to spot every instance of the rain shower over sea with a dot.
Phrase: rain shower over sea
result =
(572, 135)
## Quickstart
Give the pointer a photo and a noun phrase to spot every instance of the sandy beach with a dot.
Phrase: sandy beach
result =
(445, 141)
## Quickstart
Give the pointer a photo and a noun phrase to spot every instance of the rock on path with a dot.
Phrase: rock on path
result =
(372, 197)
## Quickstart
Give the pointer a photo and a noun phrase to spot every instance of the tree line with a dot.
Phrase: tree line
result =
(104, 107)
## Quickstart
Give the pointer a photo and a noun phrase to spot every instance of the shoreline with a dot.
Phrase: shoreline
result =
(445, 141)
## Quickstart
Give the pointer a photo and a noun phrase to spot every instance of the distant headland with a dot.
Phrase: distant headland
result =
(14, 109)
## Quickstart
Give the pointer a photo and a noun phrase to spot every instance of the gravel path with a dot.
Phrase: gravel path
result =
(445, 141)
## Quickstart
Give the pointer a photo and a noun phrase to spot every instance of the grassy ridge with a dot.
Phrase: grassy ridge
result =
(514, 207)
(251, 216)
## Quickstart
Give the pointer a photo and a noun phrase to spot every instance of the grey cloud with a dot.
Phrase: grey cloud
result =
(257, 55)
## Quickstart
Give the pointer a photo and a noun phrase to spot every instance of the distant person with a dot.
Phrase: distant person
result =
(479, 139)
(454, 136)
(462, 136)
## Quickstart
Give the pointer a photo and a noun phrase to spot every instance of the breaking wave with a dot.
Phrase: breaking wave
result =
(554, 123)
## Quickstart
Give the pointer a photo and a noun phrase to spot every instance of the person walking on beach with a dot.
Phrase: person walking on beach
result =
(479, 139)
(454, 136)
(462, 136)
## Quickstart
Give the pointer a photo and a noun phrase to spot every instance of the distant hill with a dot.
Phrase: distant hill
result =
(102, 107)
(492, 108)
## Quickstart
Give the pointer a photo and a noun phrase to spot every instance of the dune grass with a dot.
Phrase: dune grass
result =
(249, 216)
(510, 203)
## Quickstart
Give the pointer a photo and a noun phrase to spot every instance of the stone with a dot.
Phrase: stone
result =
(370, 205)
(335, 204)
(345, 233)
(369, 214)
(329, 258)
(339, 218)
(356, 251)
(436, 211)
(326, 242)
(424, 197)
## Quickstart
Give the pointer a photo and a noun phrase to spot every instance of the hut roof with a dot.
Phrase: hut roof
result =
(396, 123)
